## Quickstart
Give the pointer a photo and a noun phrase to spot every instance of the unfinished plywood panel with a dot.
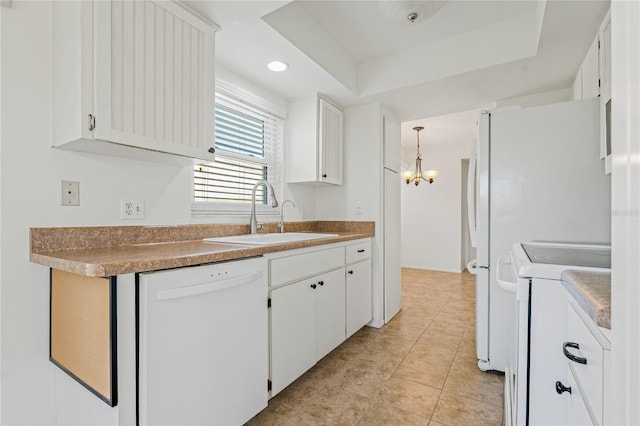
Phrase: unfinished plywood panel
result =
(83, 332)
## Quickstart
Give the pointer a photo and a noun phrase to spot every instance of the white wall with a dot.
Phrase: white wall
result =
(30, 175)
(431, 213)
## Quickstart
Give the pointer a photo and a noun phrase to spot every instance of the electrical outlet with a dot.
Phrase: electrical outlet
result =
(358, 207)
(131, 209)
(70, 193)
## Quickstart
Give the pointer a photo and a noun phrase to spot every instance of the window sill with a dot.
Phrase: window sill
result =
(215, 209)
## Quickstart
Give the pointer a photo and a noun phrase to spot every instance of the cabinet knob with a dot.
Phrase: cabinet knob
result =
(321, 283)
(324, 175)
(572, 357)
(212, 150)
(313, 286)
(350, 272)
(560, 388)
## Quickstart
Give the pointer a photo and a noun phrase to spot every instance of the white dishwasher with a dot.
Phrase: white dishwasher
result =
(203, 344)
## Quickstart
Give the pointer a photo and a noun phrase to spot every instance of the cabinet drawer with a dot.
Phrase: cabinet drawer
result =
(589, 375)
(358, 252)
(299, 266)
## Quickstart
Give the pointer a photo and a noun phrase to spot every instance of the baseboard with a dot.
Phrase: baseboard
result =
(428, 268)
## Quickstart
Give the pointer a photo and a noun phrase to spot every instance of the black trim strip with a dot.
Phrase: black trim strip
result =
(137, 330)
(113, 331)
(528, 353)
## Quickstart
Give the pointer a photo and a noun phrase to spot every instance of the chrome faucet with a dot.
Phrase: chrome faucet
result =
(253, 222)
(281, 223)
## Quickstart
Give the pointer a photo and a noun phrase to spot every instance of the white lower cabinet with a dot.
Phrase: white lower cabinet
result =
(586, 352)
(330, 312)
(577, 412)
(293, 338)
(358, 300)
(316, 303)
(307, 322)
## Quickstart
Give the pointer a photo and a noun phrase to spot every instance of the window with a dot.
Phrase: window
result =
(248, 140)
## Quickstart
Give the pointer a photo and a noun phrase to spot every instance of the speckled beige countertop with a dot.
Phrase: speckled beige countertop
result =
(104, 251)
(592, 291)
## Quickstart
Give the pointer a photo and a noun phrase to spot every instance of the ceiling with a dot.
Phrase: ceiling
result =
(456, 56)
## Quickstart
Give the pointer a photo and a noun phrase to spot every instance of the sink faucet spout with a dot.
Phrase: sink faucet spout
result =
(281, 223)
(253, 221)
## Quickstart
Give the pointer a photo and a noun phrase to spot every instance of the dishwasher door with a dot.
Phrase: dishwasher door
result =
(203, 344)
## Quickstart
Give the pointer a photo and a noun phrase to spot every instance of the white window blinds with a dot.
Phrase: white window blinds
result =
(248, 140)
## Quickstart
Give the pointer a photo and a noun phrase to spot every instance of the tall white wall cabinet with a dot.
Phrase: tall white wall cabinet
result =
(594, 80)
(371, 191)
(133, 74)
(314, 141)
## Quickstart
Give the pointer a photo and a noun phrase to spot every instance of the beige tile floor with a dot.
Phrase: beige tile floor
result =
(420, 369)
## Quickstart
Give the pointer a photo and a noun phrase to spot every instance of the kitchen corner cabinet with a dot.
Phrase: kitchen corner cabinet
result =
(133, 79)
(358, 287)
(314, 142)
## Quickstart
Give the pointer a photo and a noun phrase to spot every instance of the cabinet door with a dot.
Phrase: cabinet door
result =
(604, 38)
(590, 87)
(577, 412)
(330, 140)
(358, 296)
(293, 337)
(154, 77)
(330, 311)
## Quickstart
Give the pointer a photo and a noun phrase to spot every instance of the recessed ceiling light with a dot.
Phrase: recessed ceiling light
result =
(277, 66)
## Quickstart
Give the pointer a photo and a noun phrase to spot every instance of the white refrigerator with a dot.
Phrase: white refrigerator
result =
(537, 176)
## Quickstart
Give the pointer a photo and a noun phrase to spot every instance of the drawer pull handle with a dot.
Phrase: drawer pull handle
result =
(560, 388)
(361, 251)
(572, 357)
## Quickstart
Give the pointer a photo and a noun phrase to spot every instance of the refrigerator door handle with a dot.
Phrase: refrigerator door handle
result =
(471, 196)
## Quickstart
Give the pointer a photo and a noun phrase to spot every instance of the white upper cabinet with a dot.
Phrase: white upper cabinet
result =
(604, 37)
(314, 142)
(590, 84)
(133, 74)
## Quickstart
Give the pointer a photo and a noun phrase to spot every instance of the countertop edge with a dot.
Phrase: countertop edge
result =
(186, 253)
(592, 292)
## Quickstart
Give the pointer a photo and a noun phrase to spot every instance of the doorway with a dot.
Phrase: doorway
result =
(468, 252)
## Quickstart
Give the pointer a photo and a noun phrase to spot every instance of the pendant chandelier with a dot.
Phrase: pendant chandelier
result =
(417, 175)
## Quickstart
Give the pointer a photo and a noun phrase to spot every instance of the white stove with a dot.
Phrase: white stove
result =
(548, 260)
(538, 324)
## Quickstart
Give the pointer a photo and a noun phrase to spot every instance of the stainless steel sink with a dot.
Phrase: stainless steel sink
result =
(265, 239)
